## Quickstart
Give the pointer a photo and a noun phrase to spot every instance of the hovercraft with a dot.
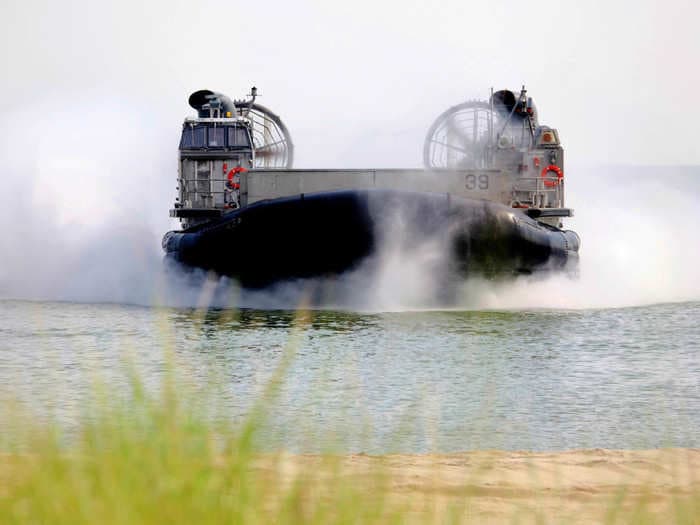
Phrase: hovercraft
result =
(492, 189)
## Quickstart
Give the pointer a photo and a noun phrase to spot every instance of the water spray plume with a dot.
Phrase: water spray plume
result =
(61, 242)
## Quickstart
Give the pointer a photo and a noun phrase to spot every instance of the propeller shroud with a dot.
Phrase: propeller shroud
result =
(272, 142)
(462, 137)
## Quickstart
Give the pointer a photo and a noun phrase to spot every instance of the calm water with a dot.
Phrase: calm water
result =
(415, 381)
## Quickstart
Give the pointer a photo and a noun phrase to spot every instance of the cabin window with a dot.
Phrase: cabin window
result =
(193, 138)
(200, 137)
(216, 138)
(238, 138)
(187, 140)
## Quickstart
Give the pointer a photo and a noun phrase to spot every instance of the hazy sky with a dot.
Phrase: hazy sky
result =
(97, 90)
(93, 95)
(618, 78)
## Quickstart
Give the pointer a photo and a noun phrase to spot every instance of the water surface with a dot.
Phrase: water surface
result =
(410, 382)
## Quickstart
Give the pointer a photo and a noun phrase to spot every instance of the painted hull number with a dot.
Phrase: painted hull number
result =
(477, 182)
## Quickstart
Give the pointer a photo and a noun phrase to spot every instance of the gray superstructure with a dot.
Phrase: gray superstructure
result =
(494, 150)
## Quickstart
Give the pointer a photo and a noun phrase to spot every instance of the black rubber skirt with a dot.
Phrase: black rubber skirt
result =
(325, 234)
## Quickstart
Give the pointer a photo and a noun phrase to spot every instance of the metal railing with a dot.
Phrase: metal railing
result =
(535, 191)
(201, 192)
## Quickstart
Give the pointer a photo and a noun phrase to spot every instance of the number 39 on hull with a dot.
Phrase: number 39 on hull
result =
(491, 194)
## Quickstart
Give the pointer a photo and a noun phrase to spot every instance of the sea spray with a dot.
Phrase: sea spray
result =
(637, 225)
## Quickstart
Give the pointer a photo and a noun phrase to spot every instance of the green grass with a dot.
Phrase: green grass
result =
(155, 458)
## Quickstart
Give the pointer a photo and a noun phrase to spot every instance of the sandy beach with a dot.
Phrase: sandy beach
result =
(581, 486)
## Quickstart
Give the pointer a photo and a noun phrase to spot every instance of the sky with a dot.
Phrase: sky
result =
(93, 93)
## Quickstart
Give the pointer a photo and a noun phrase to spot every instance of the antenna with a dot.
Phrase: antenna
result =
(491, 119)
(253, 95)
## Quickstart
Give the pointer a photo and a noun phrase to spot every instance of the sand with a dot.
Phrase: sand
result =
(582, 486)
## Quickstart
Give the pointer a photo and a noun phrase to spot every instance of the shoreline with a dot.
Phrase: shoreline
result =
(575, 486)
(488, 486)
